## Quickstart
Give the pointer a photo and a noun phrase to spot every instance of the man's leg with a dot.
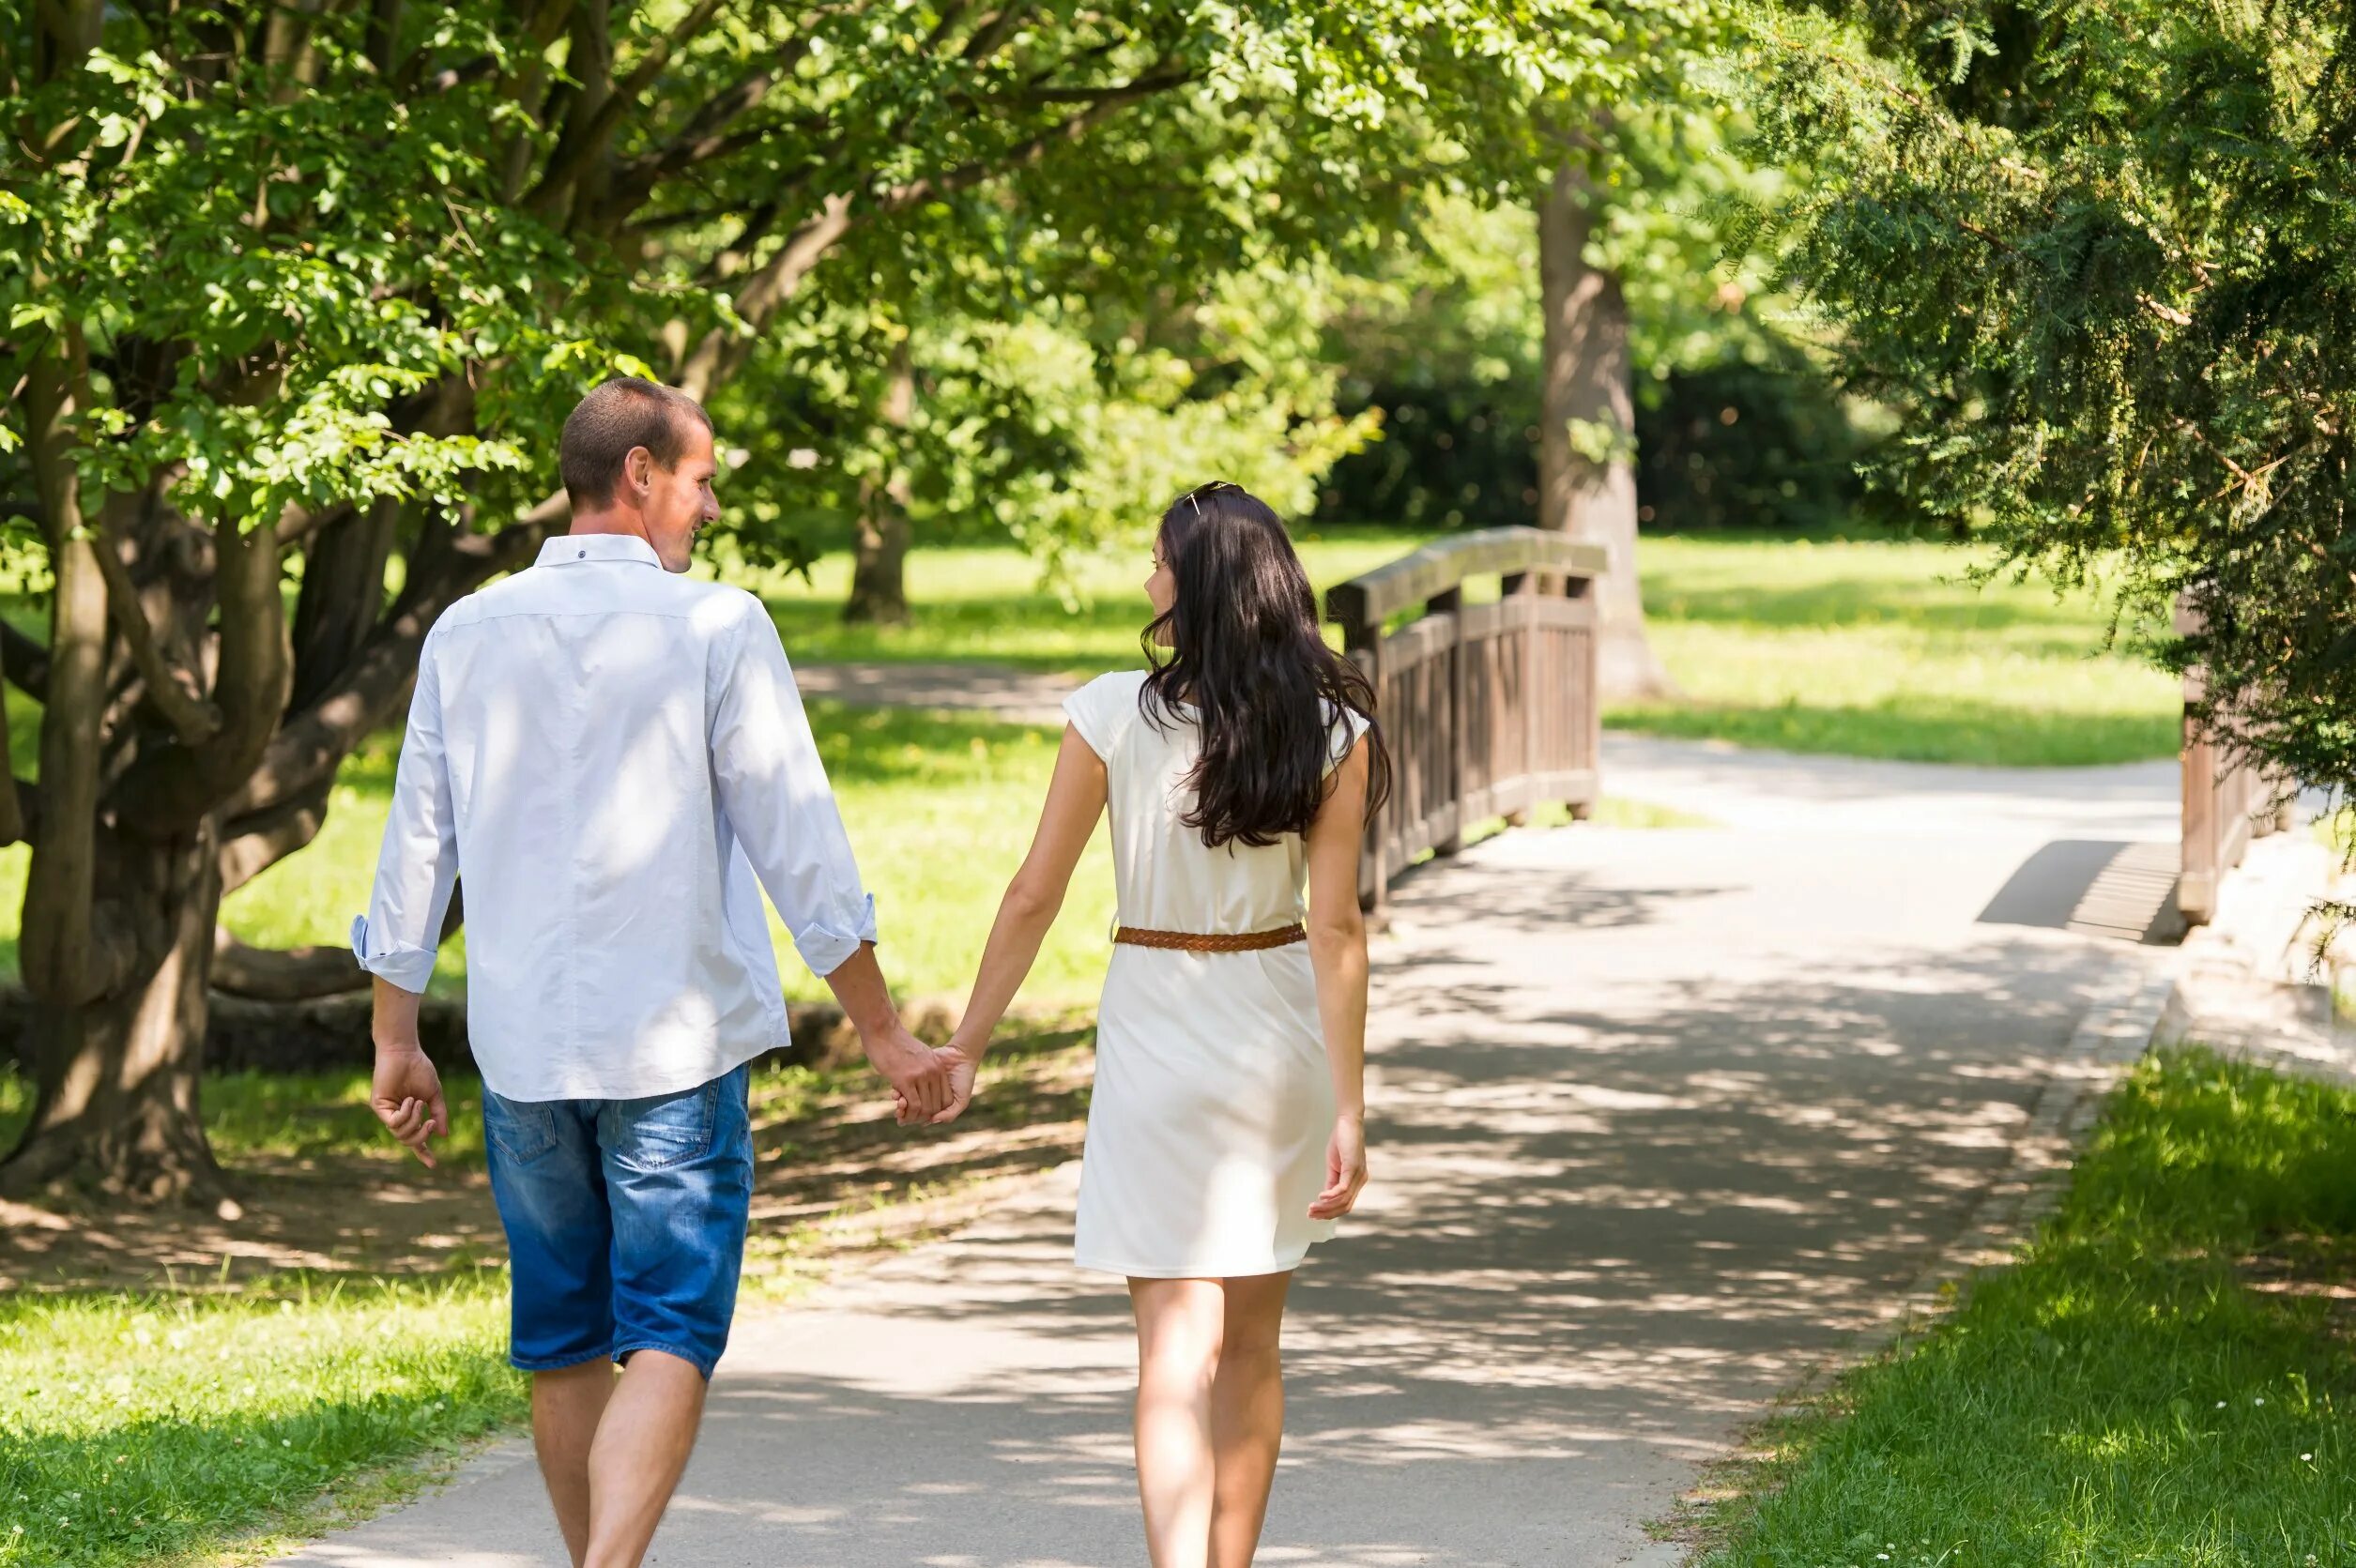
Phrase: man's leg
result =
(566, 1406)
(547, 1179)
(641, 1450)
(678, 1176)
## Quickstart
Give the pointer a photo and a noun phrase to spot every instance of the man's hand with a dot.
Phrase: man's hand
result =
(407, 1096)
(962, 1060)
(919, 1078)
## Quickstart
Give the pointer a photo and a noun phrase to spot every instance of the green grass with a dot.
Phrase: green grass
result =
(296, 1116)
(2163, 1378)
(1880, 649)
(983, 602)
(164, 1424)
(135, 1428)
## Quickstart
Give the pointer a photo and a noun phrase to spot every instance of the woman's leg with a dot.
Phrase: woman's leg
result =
(1247, 1415)
(1179, 1322)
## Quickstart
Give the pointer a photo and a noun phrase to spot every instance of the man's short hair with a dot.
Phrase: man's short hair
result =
(626, 412)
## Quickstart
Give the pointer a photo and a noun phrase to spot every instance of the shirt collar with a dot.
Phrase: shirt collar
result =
(573, 549)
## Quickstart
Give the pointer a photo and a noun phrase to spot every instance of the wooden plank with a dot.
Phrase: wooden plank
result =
(2196, 865)
(1371, 599)
(1426, 640)
(1457, 730)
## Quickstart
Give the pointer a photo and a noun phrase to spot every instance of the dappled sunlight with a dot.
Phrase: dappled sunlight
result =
(1658, 1127)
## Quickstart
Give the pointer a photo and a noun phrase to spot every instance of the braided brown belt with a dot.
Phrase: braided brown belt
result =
(1187, 941)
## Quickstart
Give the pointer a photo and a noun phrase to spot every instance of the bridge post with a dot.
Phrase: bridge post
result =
(1521, 589)
(1362, 640)
(1450, 602)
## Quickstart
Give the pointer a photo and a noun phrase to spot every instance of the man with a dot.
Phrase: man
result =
(614, 753)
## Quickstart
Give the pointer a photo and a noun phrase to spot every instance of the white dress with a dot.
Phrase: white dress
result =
(1213, 1101)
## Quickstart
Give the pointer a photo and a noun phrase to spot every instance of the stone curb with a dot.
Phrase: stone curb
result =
(2117, 1029)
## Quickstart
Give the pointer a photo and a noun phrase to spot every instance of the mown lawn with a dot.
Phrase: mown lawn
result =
(162, 1423)
(986, 605)
(1859, 647)
(1882, 650)
(2165, 1376)
(137, 1427)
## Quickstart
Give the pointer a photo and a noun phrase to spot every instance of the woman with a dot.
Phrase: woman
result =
(1227, 1132)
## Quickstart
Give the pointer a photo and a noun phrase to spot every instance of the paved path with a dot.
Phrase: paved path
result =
(1662, 1117)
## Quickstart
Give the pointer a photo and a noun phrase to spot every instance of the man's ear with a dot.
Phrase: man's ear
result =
(638, 467)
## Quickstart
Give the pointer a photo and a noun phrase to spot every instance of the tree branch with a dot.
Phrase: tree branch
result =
(174, 692)
(705, 136)
(577, 149)
(168, 790)
(1028, 153)
(251, 844)
(720, 352)
(991, 36)
(283, 974)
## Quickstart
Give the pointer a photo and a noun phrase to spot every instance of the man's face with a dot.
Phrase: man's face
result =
(679, 499)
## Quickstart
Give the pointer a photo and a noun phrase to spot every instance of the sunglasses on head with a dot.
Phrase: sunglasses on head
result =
(1213, 488)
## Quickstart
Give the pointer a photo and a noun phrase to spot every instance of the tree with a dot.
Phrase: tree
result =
(297, 295)
(1588, 427)
(2104, 259)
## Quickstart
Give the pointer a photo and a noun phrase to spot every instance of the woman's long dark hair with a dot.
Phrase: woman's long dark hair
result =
(1244, 651)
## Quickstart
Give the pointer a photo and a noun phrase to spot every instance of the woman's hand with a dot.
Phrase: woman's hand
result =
(1345, 1169)
(961, 1058)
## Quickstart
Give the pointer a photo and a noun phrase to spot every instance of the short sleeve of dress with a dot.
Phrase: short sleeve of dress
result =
(1093, 713)
(1348, 726)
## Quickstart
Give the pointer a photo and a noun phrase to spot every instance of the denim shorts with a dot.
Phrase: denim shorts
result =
(626, 1220)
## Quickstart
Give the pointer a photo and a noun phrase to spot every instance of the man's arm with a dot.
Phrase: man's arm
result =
(404, 1091)
(417, 866)
(769, 780)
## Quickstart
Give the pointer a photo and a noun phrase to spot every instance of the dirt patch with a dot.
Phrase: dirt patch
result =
(835, 1175)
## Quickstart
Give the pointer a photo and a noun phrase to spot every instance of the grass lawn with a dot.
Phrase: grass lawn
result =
(1861, 648)
(2165, 1376)
(140, 1427)
(151, 1424)
(984, 602)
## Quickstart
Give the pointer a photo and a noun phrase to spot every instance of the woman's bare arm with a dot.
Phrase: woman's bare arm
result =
(1076, 799)
(1336, 947)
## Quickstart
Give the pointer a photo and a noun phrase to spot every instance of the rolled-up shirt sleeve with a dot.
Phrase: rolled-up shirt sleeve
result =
(766, 771)
(417, 863)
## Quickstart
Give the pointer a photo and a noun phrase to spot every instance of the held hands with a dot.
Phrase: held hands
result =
(921, 1079)
(960, 1059)
(1345, 1169)
(407, 1096)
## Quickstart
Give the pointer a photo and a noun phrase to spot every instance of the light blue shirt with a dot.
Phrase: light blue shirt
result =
(618, 760)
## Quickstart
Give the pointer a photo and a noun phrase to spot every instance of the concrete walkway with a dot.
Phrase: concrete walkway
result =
(1662, 1120)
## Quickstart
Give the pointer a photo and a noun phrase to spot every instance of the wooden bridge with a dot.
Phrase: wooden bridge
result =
(1491, 709)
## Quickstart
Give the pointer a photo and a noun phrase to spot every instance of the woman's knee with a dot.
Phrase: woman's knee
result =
(1180, 1331)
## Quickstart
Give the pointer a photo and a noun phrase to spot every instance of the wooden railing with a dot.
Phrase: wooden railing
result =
(2229, 799)
(1489, 708)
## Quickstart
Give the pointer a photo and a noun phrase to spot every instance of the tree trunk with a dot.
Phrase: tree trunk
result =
(878, 575)
(116, 1080)
(1586, 430)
